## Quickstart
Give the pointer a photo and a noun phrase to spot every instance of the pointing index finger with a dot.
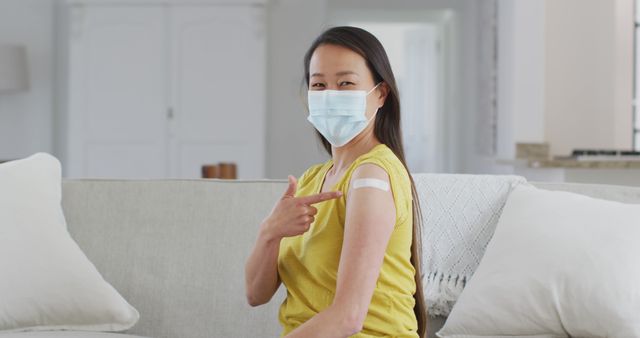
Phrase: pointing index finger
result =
(321, 197)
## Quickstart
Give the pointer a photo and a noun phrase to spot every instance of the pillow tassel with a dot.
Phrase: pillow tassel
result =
(441, 292)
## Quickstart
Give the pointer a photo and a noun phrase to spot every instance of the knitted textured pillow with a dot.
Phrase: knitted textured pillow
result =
(460, 213)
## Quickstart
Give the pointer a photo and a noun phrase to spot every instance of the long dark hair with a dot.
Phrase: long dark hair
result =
(386, 129)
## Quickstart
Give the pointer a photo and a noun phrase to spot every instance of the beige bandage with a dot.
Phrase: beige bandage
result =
(370, 183)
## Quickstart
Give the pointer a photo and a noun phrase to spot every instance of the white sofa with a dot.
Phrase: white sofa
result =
(175, 249)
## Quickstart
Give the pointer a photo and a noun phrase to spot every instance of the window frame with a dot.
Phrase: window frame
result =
(635, 139)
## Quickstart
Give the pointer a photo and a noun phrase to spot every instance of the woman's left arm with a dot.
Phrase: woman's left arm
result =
(370, 220)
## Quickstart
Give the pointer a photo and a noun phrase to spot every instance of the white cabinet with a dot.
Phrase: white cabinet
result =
(158, 90)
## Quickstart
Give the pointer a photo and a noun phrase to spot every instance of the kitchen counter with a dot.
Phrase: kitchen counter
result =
(578, 171)
(572, 163)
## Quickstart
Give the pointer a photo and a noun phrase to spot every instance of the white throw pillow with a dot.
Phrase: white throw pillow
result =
(559, 264)
(46, 282)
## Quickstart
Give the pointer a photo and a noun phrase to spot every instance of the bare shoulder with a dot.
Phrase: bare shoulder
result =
(372, 176)
(370, 198)
(369, 170)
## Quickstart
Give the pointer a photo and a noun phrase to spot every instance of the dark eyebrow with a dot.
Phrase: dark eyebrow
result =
(344, 72)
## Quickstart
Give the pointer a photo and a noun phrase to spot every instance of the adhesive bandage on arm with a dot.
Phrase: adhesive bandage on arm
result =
(370, 183)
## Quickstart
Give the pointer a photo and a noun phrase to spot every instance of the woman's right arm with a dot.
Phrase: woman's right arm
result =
(291, 216)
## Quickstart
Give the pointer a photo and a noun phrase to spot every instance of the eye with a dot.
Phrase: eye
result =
(346, 83)
(317, 85)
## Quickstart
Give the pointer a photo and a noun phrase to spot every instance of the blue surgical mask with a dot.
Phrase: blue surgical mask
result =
(339, 115)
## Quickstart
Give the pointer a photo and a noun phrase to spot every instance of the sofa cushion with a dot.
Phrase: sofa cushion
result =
(176, 250)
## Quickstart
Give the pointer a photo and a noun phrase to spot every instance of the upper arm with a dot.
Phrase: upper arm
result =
(369, 222)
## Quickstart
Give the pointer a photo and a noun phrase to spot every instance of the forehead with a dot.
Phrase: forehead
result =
(330, 59)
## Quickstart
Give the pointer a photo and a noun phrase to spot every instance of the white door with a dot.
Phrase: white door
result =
(117, 97)
(217, 86)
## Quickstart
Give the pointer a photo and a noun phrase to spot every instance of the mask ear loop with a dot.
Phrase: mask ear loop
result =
(377, 110)
(374, 115)
(374, 87)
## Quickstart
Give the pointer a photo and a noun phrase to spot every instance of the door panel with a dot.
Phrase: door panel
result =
(157, 91)
(117, 93)
(217, 88)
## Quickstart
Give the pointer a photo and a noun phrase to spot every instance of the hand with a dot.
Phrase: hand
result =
(292, 216)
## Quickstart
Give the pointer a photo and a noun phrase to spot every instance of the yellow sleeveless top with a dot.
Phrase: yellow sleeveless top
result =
(308, 263)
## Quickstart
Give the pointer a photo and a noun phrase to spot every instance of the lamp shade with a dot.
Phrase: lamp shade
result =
(13, 68)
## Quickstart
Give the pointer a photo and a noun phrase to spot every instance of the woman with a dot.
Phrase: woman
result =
(344, 237)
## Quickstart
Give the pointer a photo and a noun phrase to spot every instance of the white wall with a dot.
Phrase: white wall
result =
(463, 71)
(26, 120)
(27, 125)
(589, 71)
(521, 83)
(564, 76)
(521, 70)
(292, 145)
(26, 117)
(557, 82)
(291, 141)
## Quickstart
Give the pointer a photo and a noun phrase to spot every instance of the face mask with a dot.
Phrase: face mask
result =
(339, 115)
